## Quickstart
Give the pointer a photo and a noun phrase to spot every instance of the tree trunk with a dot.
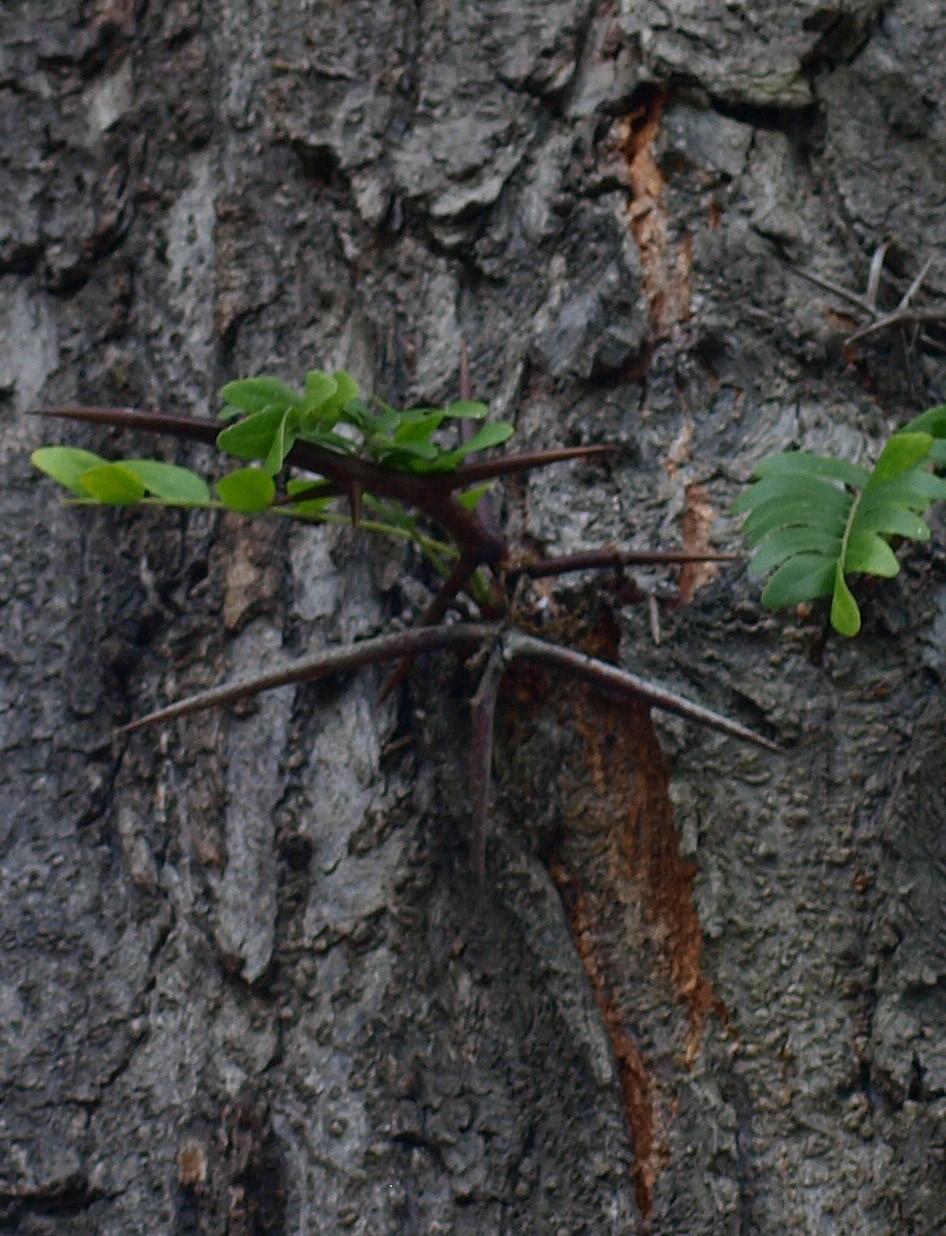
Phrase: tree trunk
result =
(249, 983)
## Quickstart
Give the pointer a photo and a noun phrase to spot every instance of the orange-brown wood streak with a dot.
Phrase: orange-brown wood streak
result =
(625, 812)
(699, 515)
(631, 782)
(666, 276)
(638, 1091)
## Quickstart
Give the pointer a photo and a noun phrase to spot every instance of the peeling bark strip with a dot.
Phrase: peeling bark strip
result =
(666, 273)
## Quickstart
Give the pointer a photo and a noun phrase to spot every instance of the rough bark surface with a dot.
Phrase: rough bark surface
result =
(248, 984)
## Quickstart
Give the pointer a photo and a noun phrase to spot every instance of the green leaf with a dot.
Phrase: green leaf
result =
(869, 554)
(319, 390)
(392, 512)
(419, 429)
(66, 464)
(255, 394)
(246, 490)
(802, 463)
(253, 437)
(113, 484)
(300, 484)
(409, 455)
(915, 490)
(893, 521)
(168, 481)
(346, 389)
(821, 494)
(467, 409)
(932, 421)
(316, 503)
(357, 413)
(493, 434)
(787, 513)
(813, 533)
(902, 453)
(803, 578)
(845, 616)
(283, 441)
(470, 498)
(785, 543)
(329, 441)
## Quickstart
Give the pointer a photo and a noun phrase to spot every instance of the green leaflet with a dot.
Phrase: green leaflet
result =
(814, 521)
(247, 490)
(112, 484)
(255, 394)
(252, 437)
(282, 442)
(845, 615)
(169, 482)
(66, 464)
(467, 408)
(802, 578)
(794, 463)
(469, 499)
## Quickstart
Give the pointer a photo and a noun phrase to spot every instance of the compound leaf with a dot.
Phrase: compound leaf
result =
(815, 520)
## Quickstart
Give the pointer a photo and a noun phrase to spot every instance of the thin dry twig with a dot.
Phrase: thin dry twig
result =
(903, 315)
(899, 317)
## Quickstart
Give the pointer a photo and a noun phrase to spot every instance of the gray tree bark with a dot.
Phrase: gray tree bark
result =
(248, 983)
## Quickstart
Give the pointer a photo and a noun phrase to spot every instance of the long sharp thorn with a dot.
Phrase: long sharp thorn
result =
(507, 465)
(915, 285)
(462, 635)
(620, 681)
(873, 279)
(602, 559)
(196, 429)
